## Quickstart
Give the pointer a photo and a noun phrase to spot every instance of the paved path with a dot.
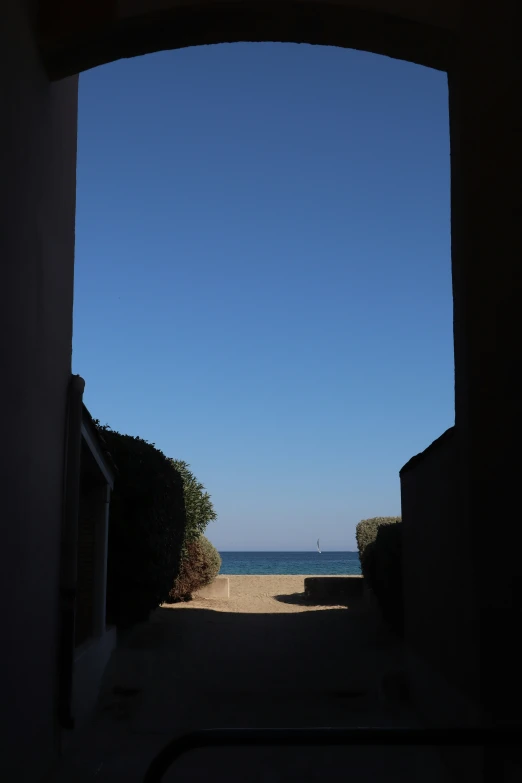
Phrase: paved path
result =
(192, 667)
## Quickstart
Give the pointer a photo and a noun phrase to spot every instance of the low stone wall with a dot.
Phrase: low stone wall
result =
(219, 588)
(335, 588)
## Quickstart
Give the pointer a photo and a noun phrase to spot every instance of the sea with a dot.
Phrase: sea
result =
(310, 563)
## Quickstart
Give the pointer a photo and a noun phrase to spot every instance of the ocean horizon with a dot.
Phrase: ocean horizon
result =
(269, 563)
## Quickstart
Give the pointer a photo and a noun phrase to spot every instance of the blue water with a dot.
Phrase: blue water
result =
(312, 563)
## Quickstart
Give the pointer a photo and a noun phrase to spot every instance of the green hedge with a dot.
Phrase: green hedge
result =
(146, 528)
(199, 567)
(379, 541)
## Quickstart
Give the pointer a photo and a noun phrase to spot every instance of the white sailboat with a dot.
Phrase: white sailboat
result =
(318, 547)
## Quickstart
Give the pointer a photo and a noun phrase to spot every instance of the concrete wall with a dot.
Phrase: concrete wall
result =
(37, 202)
(77, 37)
(486, 203)
(440, 626)
(443, 13)
(219, 588)
(438, 593)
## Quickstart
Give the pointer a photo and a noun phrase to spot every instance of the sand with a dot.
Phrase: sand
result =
(274, 594)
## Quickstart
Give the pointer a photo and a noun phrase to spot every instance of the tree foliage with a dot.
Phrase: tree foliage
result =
(199, 509)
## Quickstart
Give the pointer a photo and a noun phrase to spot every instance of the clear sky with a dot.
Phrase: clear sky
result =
(263, 283)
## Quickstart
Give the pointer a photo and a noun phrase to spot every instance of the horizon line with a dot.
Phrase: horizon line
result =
(294, 551)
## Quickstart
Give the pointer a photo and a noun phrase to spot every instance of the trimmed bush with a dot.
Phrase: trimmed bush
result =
(365, 534)
(146, 529)
(379, 541)
(199, 567)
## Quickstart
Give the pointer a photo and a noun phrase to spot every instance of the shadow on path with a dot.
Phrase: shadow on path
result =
(301, 599)
(196, 668)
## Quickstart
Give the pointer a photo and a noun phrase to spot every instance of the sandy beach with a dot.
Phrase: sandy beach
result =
(273, 594)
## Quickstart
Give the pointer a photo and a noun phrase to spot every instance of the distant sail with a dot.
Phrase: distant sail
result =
(318, 547)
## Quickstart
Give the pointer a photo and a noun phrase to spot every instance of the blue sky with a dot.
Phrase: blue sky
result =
(263, 283)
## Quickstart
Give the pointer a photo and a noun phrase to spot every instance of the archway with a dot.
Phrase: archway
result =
(75, 38)
(480, 50)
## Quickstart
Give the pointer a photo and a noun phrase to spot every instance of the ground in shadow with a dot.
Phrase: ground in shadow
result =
(301, 599)
(190, 669)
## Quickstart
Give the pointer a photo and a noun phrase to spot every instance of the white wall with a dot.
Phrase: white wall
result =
(37, 205)
(90, 662)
